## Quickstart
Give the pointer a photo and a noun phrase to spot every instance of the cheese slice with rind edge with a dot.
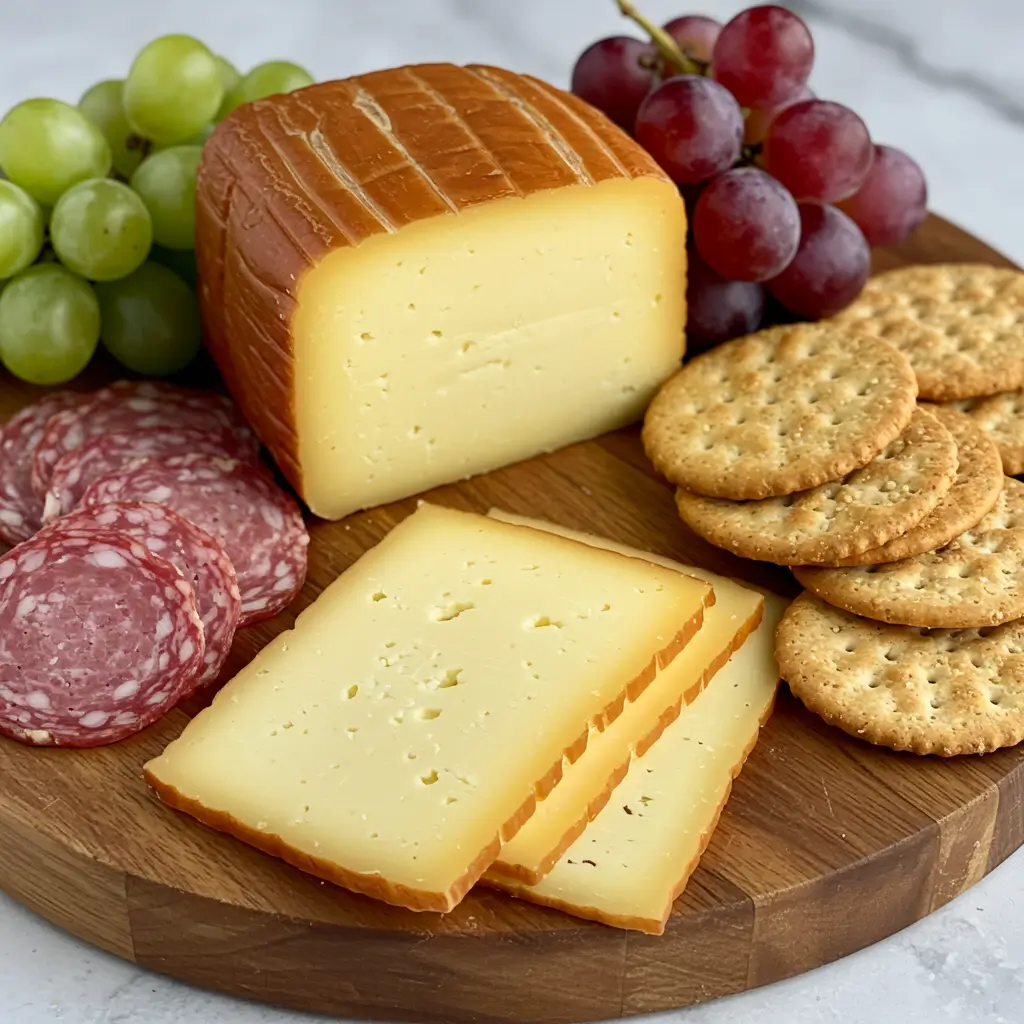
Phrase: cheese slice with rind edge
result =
(422, 704)
(589, 782)
(635, 858)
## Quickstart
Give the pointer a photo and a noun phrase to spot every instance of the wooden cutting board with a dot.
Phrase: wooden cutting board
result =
(826, 846)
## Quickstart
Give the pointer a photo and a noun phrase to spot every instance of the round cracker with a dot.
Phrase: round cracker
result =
(977, 580)
(885, 498)
(1002, 418)
(960, 325)
(779, 411)
(928, 691)
(976, 488)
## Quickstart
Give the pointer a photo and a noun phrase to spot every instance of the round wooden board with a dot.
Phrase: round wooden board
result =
(826, 845)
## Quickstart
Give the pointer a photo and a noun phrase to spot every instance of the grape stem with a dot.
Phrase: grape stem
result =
(143, 146)
(667, 46)
(749, 154)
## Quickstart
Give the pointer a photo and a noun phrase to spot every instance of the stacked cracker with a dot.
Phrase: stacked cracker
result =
(806, 446)
(962, 328)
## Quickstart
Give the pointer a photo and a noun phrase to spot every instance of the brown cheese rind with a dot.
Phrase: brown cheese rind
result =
(286, 180)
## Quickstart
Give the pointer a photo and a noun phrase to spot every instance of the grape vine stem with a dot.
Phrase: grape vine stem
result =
(667, 46)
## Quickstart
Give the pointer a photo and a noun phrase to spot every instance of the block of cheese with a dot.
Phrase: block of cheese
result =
(589, 782)
(407, 724)
(420, 274)
(636, 856)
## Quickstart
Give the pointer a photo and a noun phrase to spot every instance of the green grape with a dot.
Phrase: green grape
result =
(47, 146)
(49, 324)
(199, 139)
(21, 229)
(166, 183)
(101, 229)
(181, 261)
(102, 104)
(173, 89)
(150, 321)
(230, 76)
(270, 79)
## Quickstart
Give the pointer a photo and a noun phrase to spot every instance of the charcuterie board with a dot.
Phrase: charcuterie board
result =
(826, 845)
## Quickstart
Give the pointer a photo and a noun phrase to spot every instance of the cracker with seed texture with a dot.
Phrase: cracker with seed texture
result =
(961, 325)
(779, 411)
(929, 691)
(885, 498)
(976, 488)
(1002, 418)
(977, 580)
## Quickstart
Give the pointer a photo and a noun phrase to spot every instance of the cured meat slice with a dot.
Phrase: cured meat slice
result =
(129, 406)
(99, 637)
(20, 508)
(194, 553)
(240, 506)
(101, 455)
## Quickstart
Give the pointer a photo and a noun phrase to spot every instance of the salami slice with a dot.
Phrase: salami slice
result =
(99, 637)
(240, 506)
(101, 455)
(129, 406)
(194, 553)
(20, 508)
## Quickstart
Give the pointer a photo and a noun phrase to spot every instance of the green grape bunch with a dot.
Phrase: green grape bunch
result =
(97, 211)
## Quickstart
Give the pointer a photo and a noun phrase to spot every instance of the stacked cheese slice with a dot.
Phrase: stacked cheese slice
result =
(465, 698)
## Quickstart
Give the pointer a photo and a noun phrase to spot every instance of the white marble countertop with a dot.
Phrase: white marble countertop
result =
(940, 78)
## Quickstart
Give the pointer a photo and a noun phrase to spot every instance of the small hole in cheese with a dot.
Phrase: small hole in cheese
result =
(541, 621)
(352, 691)
(430, 778)
(379, 596)
(428, 714)
(450, 678)
(451, 611)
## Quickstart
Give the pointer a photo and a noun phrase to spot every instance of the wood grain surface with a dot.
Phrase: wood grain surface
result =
(826, 845)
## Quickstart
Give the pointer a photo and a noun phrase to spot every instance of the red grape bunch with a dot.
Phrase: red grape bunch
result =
(785, 191)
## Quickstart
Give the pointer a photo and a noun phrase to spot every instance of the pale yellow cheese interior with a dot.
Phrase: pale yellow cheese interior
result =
(736, 609)
(635, 855)
(410, 712)
(465, 342)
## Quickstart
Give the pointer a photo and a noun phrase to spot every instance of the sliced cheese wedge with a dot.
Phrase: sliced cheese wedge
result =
(423, 273)
(636, 856)
(406, 725)
(588, 783)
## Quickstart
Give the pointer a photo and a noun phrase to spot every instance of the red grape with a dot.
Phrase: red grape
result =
(819, 150)
(695, 34)
(763, 56)
(692, 126)
(718, 310)
(612, 74)
(746, 226)
(757, 122)
(830, 266)
(893, 199)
